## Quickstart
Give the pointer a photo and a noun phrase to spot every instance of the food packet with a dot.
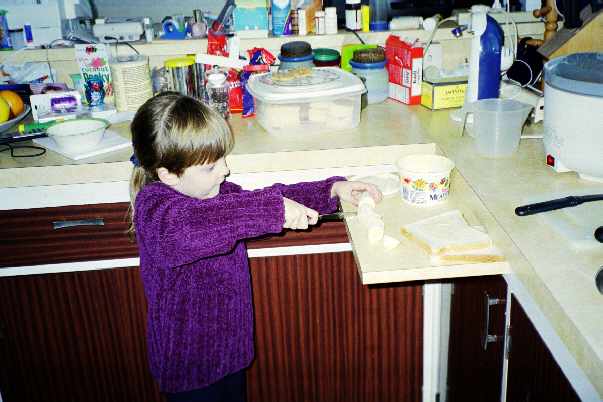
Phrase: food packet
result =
(260, 60)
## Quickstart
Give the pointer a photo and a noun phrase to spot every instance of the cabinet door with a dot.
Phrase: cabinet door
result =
(533, 376)
(475, 369)
(323, 336)
(74, 337)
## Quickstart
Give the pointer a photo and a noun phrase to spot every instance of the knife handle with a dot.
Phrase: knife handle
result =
(551, 205)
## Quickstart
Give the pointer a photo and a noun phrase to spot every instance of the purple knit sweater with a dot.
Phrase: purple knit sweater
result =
(194, 268)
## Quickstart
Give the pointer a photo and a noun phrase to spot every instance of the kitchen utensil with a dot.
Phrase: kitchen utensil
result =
(573, 122)
(335, 216)
(497, 125)
(551, 205)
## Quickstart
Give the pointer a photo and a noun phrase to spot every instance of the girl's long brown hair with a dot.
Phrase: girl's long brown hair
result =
(174, 131)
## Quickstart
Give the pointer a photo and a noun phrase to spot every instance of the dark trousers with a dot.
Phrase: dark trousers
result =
(231, 388)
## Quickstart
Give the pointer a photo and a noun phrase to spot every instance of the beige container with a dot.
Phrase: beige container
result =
(131, 82)
(425, 179)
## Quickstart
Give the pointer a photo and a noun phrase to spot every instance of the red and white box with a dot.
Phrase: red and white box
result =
(405, 68)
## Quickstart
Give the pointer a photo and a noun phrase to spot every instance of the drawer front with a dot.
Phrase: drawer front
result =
(96, 232)
(65, 234)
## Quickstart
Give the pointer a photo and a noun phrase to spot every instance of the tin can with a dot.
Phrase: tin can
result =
(5, 41)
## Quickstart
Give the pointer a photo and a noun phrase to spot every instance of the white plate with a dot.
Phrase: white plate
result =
(388, 183)
(9, 123)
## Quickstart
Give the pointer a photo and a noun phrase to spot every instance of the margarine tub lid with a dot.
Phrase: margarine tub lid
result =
(304, 85)
(579, 73)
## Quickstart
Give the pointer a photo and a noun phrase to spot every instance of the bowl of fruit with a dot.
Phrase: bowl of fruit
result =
(12, 109)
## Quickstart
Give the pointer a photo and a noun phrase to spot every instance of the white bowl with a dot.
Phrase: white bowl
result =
(79, 135)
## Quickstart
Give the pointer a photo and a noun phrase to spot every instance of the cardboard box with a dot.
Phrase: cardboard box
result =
(443, 95)
(405, 68)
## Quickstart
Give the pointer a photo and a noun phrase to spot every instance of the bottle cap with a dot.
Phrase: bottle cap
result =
(216, 78)
(352, 1)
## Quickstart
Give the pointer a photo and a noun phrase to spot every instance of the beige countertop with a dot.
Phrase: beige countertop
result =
(558, 277)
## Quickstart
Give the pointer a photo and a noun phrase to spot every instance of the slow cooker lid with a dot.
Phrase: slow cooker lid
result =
(580, 73)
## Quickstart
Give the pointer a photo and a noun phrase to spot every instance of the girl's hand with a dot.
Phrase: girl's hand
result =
(350, 191)
(298, 216)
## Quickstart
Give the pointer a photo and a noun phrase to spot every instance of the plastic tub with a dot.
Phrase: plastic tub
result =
(326, 100)
(424, 178)
(376, 79)
(497, 125)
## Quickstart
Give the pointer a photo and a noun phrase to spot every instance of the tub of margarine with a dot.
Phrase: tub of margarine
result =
(424, 178)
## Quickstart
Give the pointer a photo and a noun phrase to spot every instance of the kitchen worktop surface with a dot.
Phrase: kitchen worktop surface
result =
(558, 276)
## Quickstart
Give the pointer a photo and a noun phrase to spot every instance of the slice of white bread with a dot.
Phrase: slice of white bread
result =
(491, 254)
(447, 233)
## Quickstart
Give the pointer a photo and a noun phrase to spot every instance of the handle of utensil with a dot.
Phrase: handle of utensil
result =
(551, 205)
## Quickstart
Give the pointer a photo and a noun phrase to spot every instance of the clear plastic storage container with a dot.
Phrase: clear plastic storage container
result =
(326, 100)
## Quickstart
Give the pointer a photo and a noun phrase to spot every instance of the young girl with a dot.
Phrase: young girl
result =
(191, 226)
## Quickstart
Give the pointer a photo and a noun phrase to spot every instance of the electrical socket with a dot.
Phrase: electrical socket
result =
(433, 57)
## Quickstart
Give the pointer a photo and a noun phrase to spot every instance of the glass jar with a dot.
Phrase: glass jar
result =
(375, 79)
(217, 91)
(290, 63)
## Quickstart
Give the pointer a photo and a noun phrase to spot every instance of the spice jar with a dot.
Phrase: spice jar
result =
(217, 91)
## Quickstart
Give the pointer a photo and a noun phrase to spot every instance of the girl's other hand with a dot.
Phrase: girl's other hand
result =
(298, 216)
(350, 191)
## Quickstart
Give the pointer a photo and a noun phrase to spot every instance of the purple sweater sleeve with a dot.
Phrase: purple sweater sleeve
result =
(315, 195)
(187, 229)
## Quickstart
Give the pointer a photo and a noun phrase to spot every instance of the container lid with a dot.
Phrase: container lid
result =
(179, 62)
(297, 48)
(352, 1)
(323, 82)
(579, 73)
(325, 54)
(216, 78)
(368, 66)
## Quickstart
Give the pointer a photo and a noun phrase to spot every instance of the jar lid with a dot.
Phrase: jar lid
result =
(179, 62)
(367, 66)
(298, 48)
(216, 78)
(325, 54)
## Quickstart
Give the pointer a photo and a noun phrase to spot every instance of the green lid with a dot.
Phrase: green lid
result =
(324, 54)
(2, 12)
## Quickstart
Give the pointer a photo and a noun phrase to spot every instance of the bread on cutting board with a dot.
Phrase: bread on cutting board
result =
(447, 234)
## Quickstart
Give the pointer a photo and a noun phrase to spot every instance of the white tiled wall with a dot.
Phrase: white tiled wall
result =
(155, 9)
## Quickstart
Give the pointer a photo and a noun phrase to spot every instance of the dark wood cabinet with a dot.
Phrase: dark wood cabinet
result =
(534, 375)
(474, 367)
(80, 336)
(475, 371)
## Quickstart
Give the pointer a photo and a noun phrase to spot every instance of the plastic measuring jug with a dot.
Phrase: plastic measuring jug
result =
(497, 125)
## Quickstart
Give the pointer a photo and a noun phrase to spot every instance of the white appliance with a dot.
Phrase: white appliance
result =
(573, 117)
(108, 32)
(47, 18)
(44, 17)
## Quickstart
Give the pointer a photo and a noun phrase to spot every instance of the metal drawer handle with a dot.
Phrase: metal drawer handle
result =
(82, 222)
(486, 337)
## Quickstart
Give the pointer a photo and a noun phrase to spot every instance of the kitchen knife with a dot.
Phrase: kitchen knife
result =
(335, 216)
(551, 205)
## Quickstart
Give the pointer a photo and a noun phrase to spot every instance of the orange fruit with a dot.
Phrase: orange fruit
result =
(14, 101)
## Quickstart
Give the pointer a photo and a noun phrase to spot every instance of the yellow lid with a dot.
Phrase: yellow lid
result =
(179, 62)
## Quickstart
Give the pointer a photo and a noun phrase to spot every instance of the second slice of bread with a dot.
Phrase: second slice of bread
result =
(447, 233)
